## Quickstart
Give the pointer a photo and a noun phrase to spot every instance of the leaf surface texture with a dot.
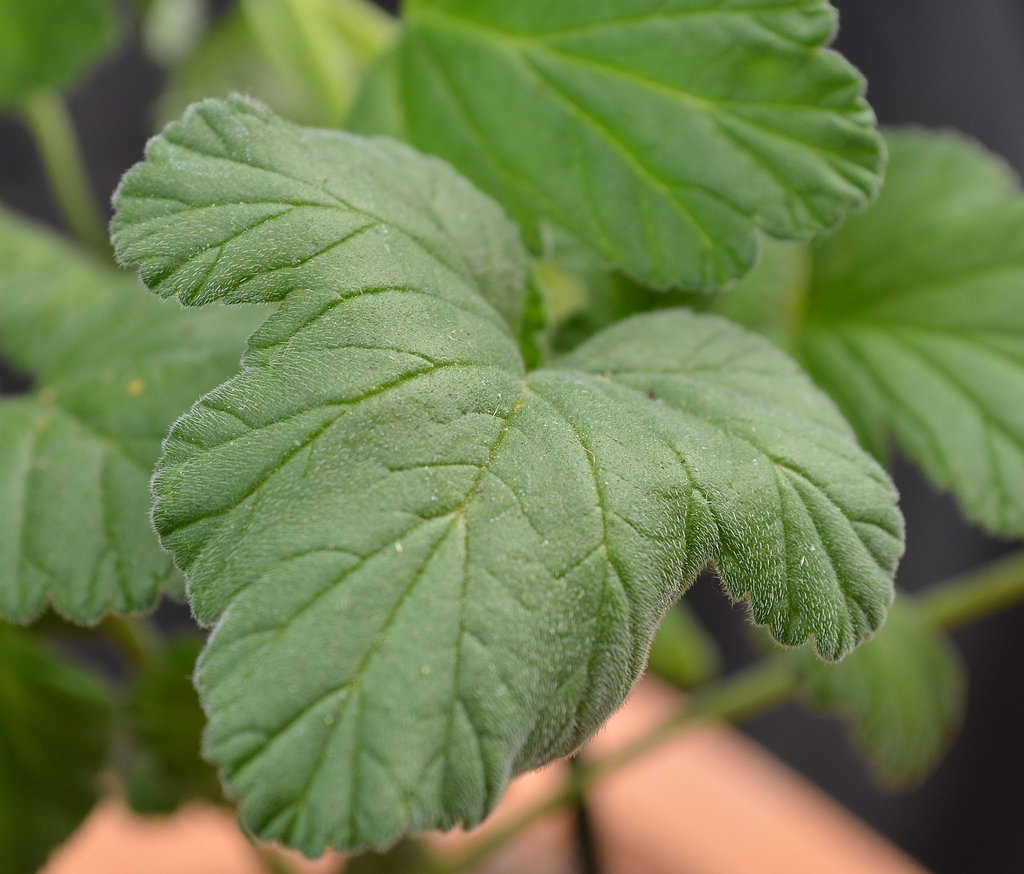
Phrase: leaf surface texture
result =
(664, 134)
(427, 568)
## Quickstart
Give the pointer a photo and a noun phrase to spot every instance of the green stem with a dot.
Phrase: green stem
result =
(958, 601)
(272, 862)
(976, 595)
(738, 697)
(134, 637)
(51, 127)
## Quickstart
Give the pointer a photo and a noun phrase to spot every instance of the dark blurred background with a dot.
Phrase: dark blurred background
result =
(939, 63)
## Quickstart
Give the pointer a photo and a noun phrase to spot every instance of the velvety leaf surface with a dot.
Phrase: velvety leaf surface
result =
(166, 722)
(912, 318)
(112, 368)
(49, 43)
(902, 692)
(662, 133)
(429, 570)
(54, 731)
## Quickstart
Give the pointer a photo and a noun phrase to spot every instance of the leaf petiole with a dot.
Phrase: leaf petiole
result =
(53, 131)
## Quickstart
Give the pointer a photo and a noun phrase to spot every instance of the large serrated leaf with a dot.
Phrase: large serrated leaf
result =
(427, 569)
(912, 318)
(903, 694)
(113, 368)
(48, 43)
(663, 134)
(54, 734)
(923, 299)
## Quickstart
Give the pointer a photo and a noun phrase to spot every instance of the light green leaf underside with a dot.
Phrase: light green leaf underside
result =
(261, 49)
(427, 569)
(113, 368)
(663, 134)
(903, 694)
(49, 43)
(915, 322)
(54, 731)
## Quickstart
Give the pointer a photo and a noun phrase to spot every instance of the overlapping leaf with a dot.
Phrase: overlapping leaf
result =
(912, 318)
(113, 368)
(429, 569)
(54, 731)
(662, 133)
(304, 59)
(903, 693)
(164, 769)
(48, 43)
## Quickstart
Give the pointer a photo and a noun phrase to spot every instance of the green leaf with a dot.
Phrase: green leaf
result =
(912, 318)
(54, 732)
(682, 651)
(113, 368)
(305, 59)
(427, 569)
(663, 134)
(166, 723)
(50, 43)
(903, 694)
(170, 29)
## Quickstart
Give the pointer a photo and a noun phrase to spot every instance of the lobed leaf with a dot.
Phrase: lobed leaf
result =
(664, 134)
(112, 370)
(912, 318)
(428, 569)
(931, 322)
(54, 732)
(903, 694)
(49, 43)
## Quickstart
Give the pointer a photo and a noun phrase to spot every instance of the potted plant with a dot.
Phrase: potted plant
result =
(586, 299)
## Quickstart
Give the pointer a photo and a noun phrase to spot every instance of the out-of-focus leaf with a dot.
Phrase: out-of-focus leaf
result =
(54, 735)
(166, 723)
(683, 652)
(112, 368)
(50, 43)
(902, 693)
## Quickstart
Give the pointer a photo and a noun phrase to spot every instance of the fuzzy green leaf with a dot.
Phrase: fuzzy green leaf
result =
(427, 569)
(54, 732)
(49, 43)
(163, 714)
(903, 693)
(663, 134)
(113, 368)
(912, 318)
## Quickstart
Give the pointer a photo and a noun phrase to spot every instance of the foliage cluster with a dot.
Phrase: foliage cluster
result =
(502, 325)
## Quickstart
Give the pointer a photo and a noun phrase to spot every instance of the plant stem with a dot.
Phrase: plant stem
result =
(589, 857)
(742, 695)
(770, 682)
(976, 595)
(51, 127)
(134, 638)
